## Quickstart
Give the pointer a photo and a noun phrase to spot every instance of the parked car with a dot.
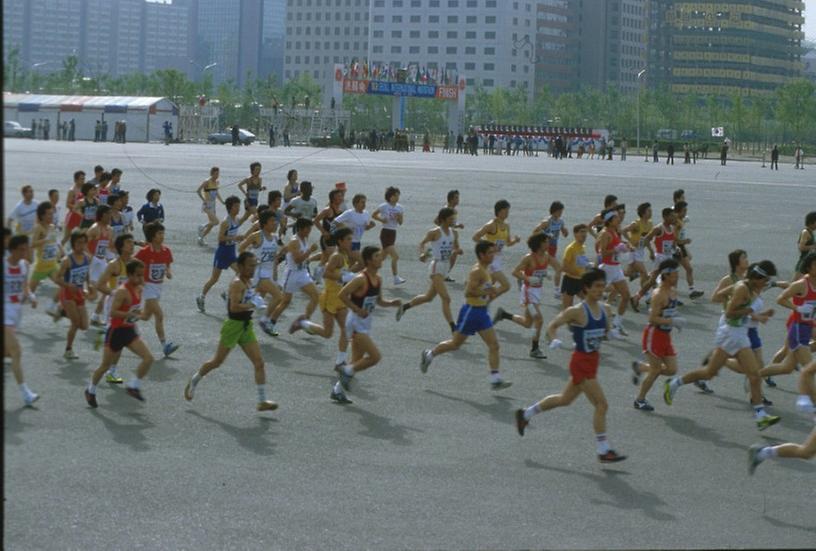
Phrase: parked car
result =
(244, 136)
(13, 129)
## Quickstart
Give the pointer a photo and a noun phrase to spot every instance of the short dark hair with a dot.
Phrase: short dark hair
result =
(734, 257)
(254, 165)
(99, 168)
(105, 177)
(609, 199)
(230, 201)
(133, 265)
(151, 229)
(668, 264)
(334, 193)
(113, 197)
(306, 185)
(289, 174)
(390, 191)
(556, 206)
(86, 187)
(535, 241)
(452, 193)
(243, 257)
(680, 205)
(500, 205)
(591, 276)
(50, 191)
(369, 252)
(579, 227)
(444, 214)
(483, 247)
(42, 208)
(120, 242)
(151, 193)
(78, 173)
(101, 211)
(76, 235)
(810, 218)
(17, 241)
(762, 269)
(264, 217)
(274, 194)
(214, 169)
(678, 193)
(357, 198)
(668, 211)
(808, 261)
(642, 208)
(116, 172)
(339, 234)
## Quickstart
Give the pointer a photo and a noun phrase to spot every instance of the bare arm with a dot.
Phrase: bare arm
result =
(236, 296)
(490, 227)
(350, 288)
(794, 289)
(570, 315)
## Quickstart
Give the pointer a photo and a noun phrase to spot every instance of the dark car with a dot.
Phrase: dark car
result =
(244, 136)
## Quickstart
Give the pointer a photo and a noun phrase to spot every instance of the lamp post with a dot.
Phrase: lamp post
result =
(639, 75)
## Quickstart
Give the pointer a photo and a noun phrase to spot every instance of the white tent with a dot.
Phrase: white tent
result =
(144, 116)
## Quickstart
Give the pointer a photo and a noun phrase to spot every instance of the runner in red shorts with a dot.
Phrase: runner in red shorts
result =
(74, 288)
(590, 322)
(661, 359)
(73, 218)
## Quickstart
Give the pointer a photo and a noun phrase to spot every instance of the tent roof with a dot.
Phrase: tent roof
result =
(78, 103)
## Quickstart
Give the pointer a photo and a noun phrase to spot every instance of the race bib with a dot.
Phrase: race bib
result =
(582, 261)
(79, 275)
(593, 339)
(50, 251)
(369, 303)
(101, 249)
(445, 252)
(157, 272)
(268, 256)
(500, 245)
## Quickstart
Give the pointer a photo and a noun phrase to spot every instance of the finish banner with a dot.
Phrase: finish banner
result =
(383, 88)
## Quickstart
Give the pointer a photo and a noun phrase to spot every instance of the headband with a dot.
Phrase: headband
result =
(608, 216)
(759, 271)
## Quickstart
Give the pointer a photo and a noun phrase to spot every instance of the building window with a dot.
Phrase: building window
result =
(491, 20)
(433, 50)
(416, 19)
(396, 49)
(470, 66)
(470, 50)
(490, 35)
(490, 51)
(453, 19)
(433, 34)
(450, 50)
(487, 82)
(489, 66)
(433, 19)
(413, 49)
(396, 34)
(453, 34)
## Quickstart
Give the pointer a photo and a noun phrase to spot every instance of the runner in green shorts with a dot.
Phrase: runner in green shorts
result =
(238, 330)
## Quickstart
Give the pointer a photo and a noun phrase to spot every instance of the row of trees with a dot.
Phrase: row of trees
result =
(785, 116)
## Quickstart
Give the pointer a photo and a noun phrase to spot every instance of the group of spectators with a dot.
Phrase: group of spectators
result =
(41, 130)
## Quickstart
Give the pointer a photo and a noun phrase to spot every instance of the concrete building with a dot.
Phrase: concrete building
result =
(747, 47)
(274, 38)
(491, 43)
(557, 52)
(230, 35)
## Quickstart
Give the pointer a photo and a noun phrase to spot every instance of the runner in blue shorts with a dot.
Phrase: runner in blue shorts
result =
(225, 254)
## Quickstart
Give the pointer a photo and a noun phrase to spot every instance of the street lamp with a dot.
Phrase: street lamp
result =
(32, 67)
(639, 75)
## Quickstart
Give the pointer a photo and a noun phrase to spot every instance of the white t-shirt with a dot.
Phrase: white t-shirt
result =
(25, 215)
(357, 221)
(303, 208)
(389, 214)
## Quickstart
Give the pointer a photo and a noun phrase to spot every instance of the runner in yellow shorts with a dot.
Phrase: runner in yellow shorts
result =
(237, 332)
(45, 242)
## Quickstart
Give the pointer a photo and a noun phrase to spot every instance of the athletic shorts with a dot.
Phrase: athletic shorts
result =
(96, 269)
(657, 342)
(614, 273)
(388, 237)
(38, 275)
(681, 252)
(799, 334)
(439, 267)
(356, 246)
(117, 338)
(660, 258)
(498, 263)
(250, 203)
(530, 295)
(224, 257)
(324, 243)
(639, 255)
(151, 291)
(237, 332)
(571, 286)
(753, 336)
(208, 207)
(552, 248)
(330, 300)
(295, 280)
(584, 366)
(356, 324)
(12, 314)
(732, 339)
(77, 296)
(73, 220)
(473, 319)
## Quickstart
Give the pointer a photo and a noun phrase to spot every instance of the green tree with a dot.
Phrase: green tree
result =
(796, 106)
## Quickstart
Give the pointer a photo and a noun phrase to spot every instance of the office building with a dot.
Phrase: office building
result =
(230, 39)
(274, 38)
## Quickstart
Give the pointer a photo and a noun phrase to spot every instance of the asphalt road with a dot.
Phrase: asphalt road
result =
(417, 462)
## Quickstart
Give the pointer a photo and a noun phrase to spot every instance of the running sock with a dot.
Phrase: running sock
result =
(262, 393)
(91, 388)
(767, 453)
(25, 390)
(348, 370)
(676, 383)
(506, 316)
(309, 326)
(759, 412)
(495, 377)
(532, 410)
(196, 378)
(135, 382)
(601, 443)
(341, 358)
(453, 326)
(337, 389)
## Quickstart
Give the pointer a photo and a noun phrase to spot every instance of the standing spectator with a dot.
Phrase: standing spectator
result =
(799, 156)
(168, 132)
(610, 149)
(286, 137)
(724, 152)
(104, 130)
(46, 128)
(670, 153)
(624, 144)
(124, 132)
(153, 209)
(271, 135)
(460, 140)
(654, 151)
(686, 154)
(33, 129)
(775, 158)
(236, 135)
(72, 131)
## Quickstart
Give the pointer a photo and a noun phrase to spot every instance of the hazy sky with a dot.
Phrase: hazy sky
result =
(810, 19)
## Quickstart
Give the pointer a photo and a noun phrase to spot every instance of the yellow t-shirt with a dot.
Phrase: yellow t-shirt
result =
(574, 261)
(500, 238)
(640, 231)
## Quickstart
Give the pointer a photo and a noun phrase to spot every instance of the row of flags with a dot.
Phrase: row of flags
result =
(361, 70)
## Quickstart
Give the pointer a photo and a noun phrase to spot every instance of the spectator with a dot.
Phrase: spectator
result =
(654, 151)
(775, 158)
(152, 210)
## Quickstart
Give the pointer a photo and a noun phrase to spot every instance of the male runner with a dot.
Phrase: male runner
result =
(237, 330)
(124, 311)
(208, 193)
(24, 213)
(759, 453)
(324, 222)
(74, 195)
(636, 233)
(682, 254)
(292, 188)
(497, 231)
(531, 271)
(589, 322)
(361, 295)
(610, 246)
(73, 280)
(806, 243)
(45, 241)
(664, 237)
(157, 259)
(358, 220)
(473, 317)
(251, 187)
(304, 205)
(597, 223)
(87, 205)
(390, 215)
(444, 243)
(112, 278)
(225, 253)
(573, 265)
(264, 243)
(452, 203)
(15, 294)
(100, 239)
(732, 341)
(555, 228)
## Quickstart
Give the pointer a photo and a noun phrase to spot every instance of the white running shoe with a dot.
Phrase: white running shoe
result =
(805, 405)
(399, 280)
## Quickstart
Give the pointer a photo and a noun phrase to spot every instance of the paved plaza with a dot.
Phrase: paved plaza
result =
(418, 461)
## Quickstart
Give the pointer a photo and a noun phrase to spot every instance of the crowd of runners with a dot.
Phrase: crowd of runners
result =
(106, 275)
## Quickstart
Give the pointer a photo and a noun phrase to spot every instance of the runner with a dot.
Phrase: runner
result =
(759, 453)
(98, 170)
(800, 297)
(574, 264)
(225, 254)
(636, 234)
(361, 295)
(275, 200)
(732, 342)
(100, 239)
(152, 210)
(807, 242)
(128, 215)
(682, 254)
(264, 243)
(589, 323)
(664, 237)
(444, 243)
(390, 215)
(114, 276)
(610, 246)
(208, 193)
(73, 280)
(24, 213)
(297, 276)
(554, 228)
(339, 271)
(597, 223)
(157, 259)
(251, 187)
(497, 231)
(87, 205)
(324, 222)
(15, 294)
(661, 358)
(53, 198)
(473, 317)
(125, 310)
(103, 187)
(237, 330)
(531, 271)
(116, 181)
(45, 241)
(74, 195)
(452, 203)
(117, 220)
(358, 220)
(292, 188)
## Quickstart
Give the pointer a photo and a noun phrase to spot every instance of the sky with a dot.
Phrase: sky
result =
(810, 20)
